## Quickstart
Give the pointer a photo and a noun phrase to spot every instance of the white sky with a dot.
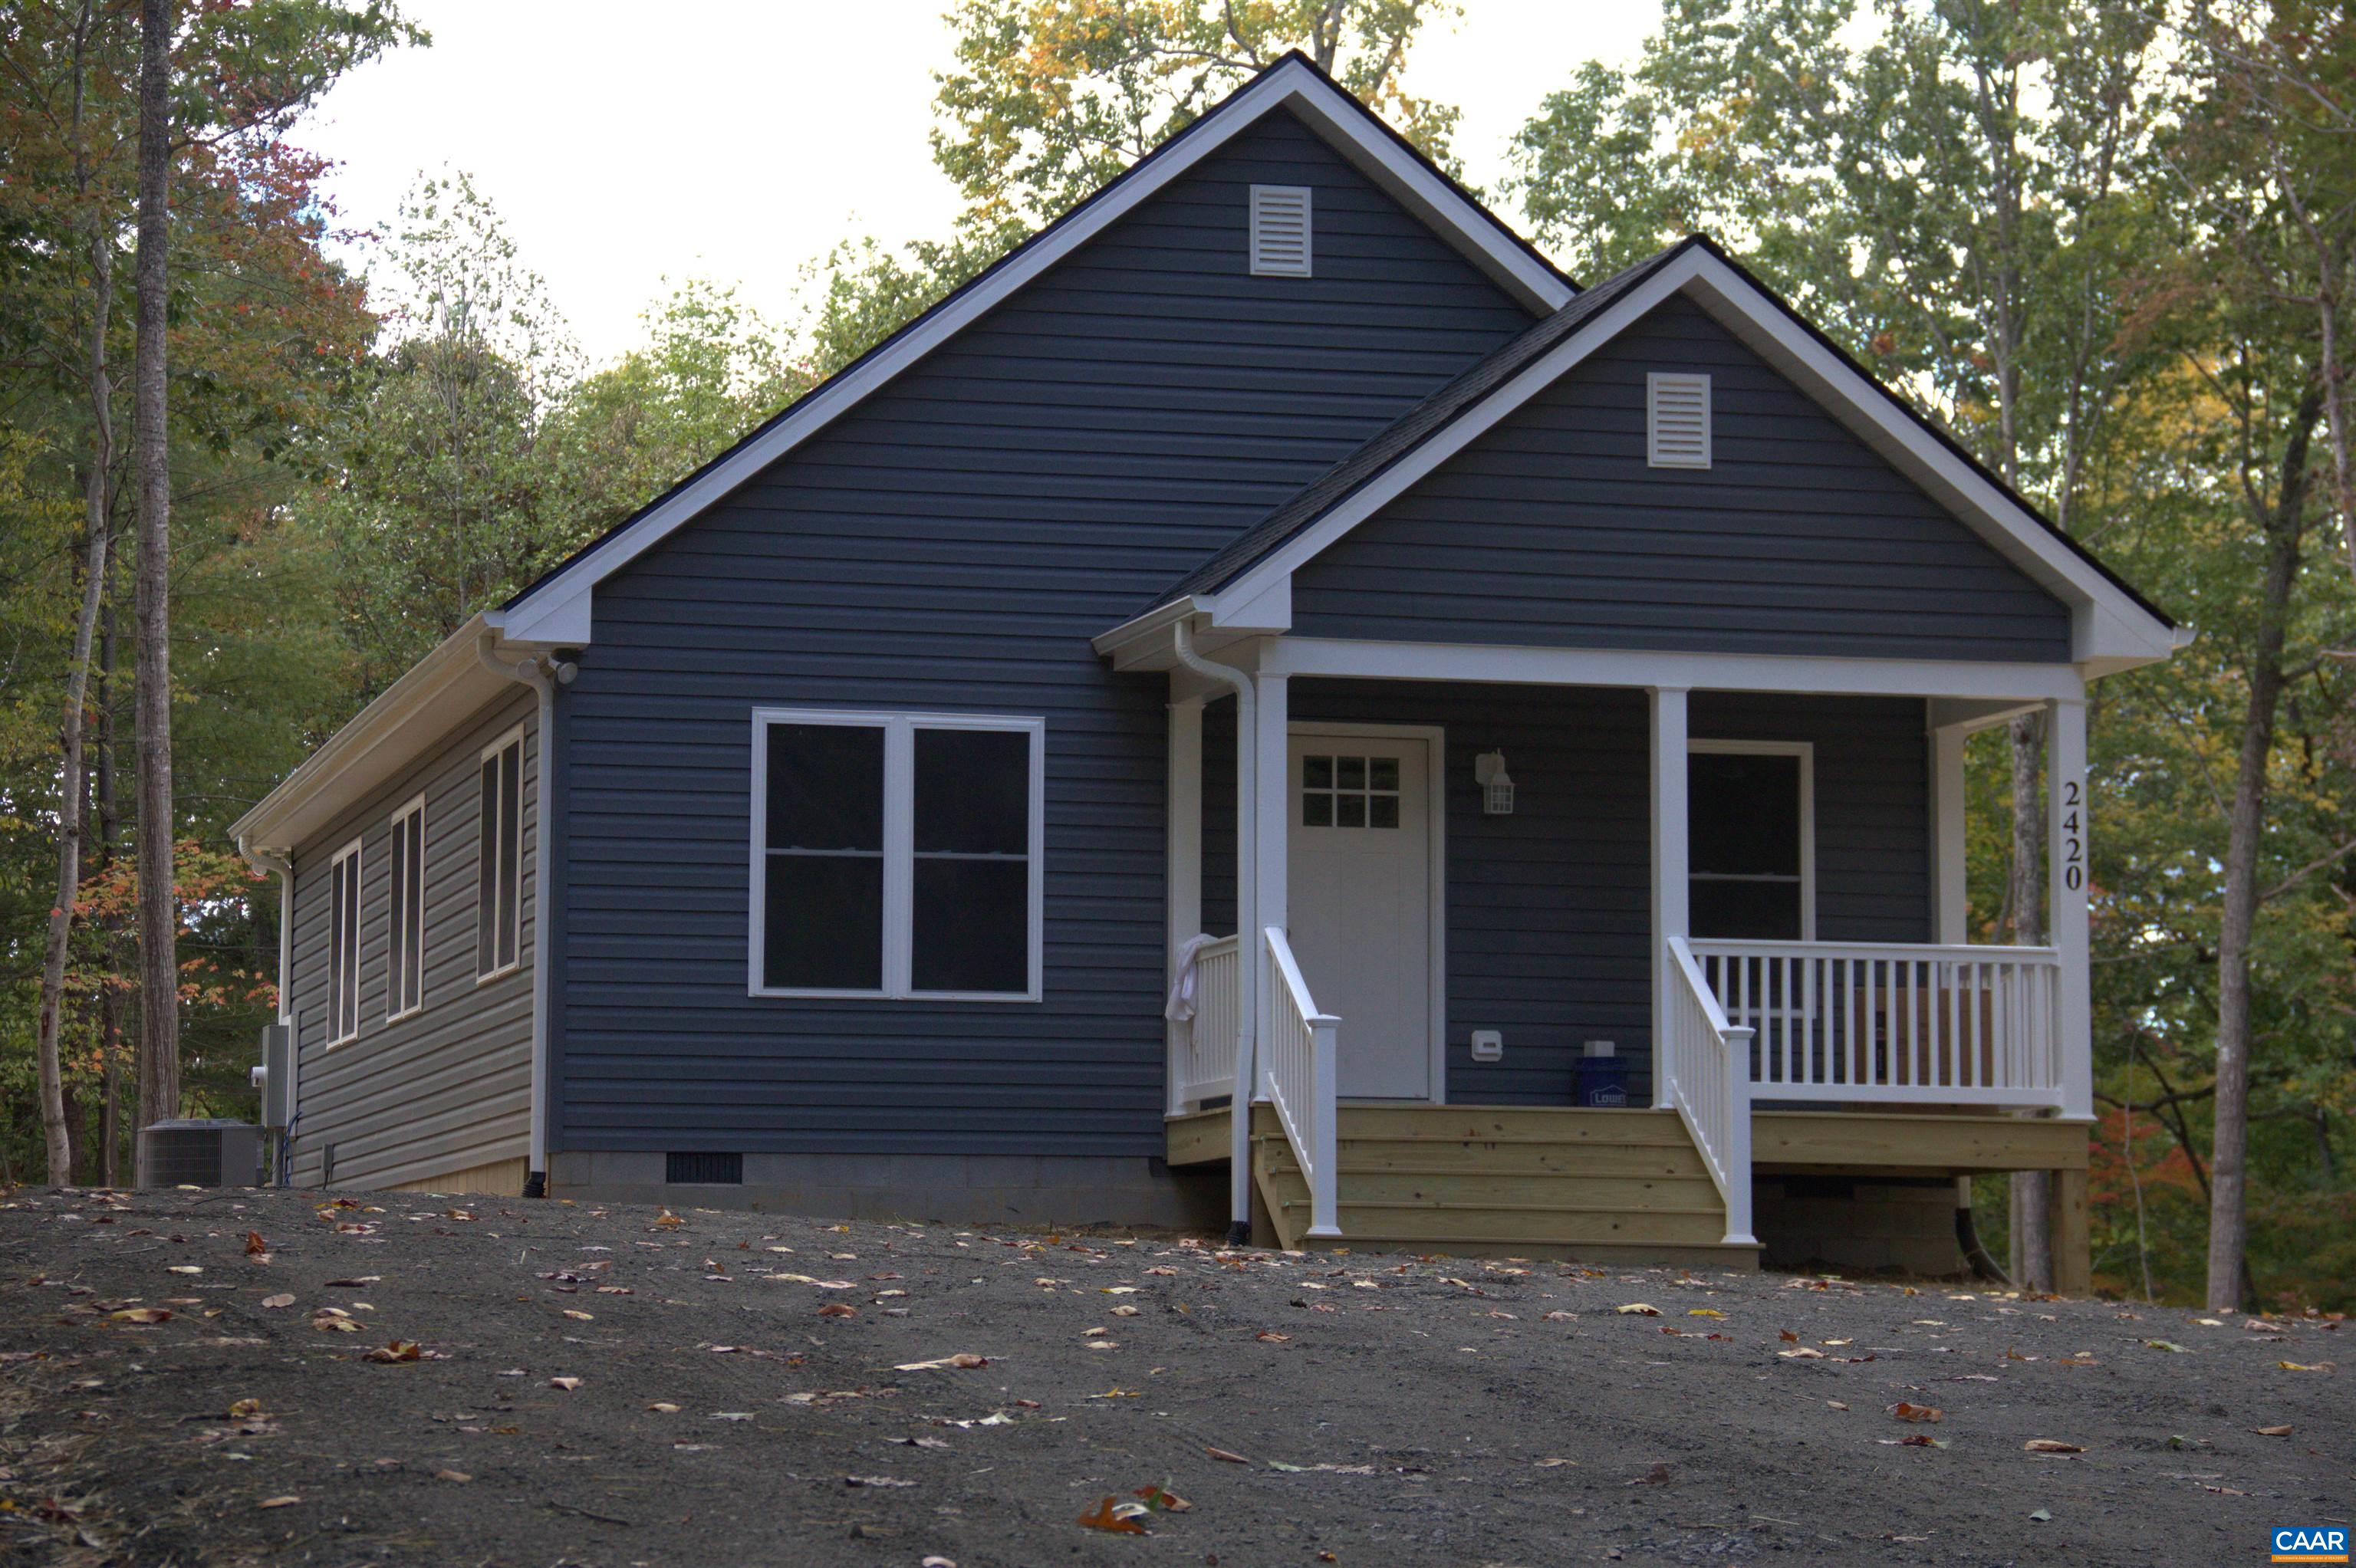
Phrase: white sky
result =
(738, 140)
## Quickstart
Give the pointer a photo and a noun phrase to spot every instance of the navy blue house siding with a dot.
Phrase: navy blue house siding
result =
(1551, 530)
(953, 544)
(1549, 910)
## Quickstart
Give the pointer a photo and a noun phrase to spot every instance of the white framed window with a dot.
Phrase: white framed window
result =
(1752, 839)
(344, 944)
(1279, 230)
(499, 887)
(1676, 421)
(896, 855)
(405, 970)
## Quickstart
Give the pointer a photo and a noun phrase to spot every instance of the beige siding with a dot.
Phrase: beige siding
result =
(446, 1090)
(504, 1179)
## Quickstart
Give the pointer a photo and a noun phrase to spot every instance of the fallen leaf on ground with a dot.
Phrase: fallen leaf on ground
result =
(2271, 1430)
(1836, 1404)
(184, 1268)
(2042, 1516)
(579, 1316)
(663, 1407)
(1222, 1454)
(1919, 1440)
(1272, 1335)
(1801, 1354)
(240, 1409)
(1116, 1517)
(254, 1244)
(394, 1350)
(2050, 1446)
(1125, 1311)
(875, 1481)
(356, 1280)
(567, 1384)
(1658, 1476)
(1639, 1309)
(277, 1301)
(1703, 1312)
(333, 1322)
(2287, 1366)
(1162, 1499)
(2170, 1346)
(1905, 1412)
(965, 1359)
(278, 1503)
(452, 1476)
(155, 1315)
(1553, 1463)
(837, 1310)
(1559, 1316)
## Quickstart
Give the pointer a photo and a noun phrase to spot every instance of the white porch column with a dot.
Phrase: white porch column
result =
(1270, 760)
(1247, 965)
(1184, 857)
(1671, 915)
(2067, 872)
(1950, 916)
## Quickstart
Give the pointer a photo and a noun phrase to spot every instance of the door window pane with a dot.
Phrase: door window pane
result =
(1349, 792)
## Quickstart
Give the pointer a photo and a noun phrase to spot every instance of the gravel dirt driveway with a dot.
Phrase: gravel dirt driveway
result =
(749, 1392)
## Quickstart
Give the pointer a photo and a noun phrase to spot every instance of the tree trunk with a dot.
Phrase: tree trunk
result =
(159, 916)
(110, 839)
(2033, 1191)
(71, 787)
(2228, 1219)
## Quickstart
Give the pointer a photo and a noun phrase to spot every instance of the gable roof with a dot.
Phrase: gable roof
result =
(2116, 626)
(557, 608)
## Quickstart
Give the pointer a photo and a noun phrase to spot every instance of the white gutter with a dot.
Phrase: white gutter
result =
(1248, 965)
(544, 675)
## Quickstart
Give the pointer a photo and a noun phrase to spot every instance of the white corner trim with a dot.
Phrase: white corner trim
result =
(561, 600)
(1806, 752)
(2109, 628)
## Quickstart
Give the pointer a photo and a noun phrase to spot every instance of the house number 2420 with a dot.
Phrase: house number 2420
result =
(2074, 835)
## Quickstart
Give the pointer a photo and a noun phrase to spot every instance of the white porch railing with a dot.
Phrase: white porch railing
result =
(1206, 1065)
(1706, 1064)
(1893, 1024)
(1297, 1075)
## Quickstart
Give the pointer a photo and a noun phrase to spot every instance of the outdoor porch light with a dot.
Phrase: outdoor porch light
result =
(1496, 785)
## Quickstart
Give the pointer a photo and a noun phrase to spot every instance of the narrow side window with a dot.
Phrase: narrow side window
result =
(344, 945)
(499, 898)
(404, 989)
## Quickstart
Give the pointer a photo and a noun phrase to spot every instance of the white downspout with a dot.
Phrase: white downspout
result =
(283, 868)
(1249, 962)
(544, 675)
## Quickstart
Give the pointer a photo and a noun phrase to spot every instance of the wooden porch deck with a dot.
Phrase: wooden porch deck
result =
(1611, 1185)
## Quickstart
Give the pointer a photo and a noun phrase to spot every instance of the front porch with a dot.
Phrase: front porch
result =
(1402, 979)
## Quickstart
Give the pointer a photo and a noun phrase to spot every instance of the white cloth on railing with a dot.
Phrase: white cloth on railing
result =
(1180, 1006)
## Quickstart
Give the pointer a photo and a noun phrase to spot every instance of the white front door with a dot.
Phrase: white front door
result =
(1361, 903)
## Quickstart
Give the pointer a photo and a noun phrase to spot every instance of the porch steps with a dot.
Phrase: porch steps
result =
(1622, 1186)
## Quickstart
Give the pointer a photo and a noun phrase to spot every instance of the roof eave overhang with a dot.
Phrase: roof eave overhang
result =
(404, 722)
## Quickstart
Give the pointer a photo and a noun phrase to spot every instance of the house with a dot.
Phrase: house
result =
(1548, 702)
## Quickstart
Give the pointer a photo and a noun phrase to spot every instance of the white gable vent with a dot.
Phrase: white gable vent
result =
(1676, 421)
(1279, 230)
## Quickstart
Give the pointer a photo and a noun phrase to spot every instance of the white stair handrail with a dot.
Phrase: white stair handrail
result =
(1707, 1062)
(1298, 1078)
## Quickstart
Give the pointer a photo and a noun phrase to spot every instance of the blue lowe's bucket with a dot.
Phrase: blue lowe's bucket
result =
(1603, 1076)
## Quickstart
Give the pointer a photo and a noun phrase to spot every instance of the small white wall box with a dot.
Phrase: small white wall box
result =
(1496, 785)
(1488, 1045)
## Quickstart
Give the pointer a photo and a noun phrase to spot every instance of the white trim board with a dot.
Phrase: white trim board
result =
(2110, 630)
(1640, 668)
(557, 609)
(1435, 806)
